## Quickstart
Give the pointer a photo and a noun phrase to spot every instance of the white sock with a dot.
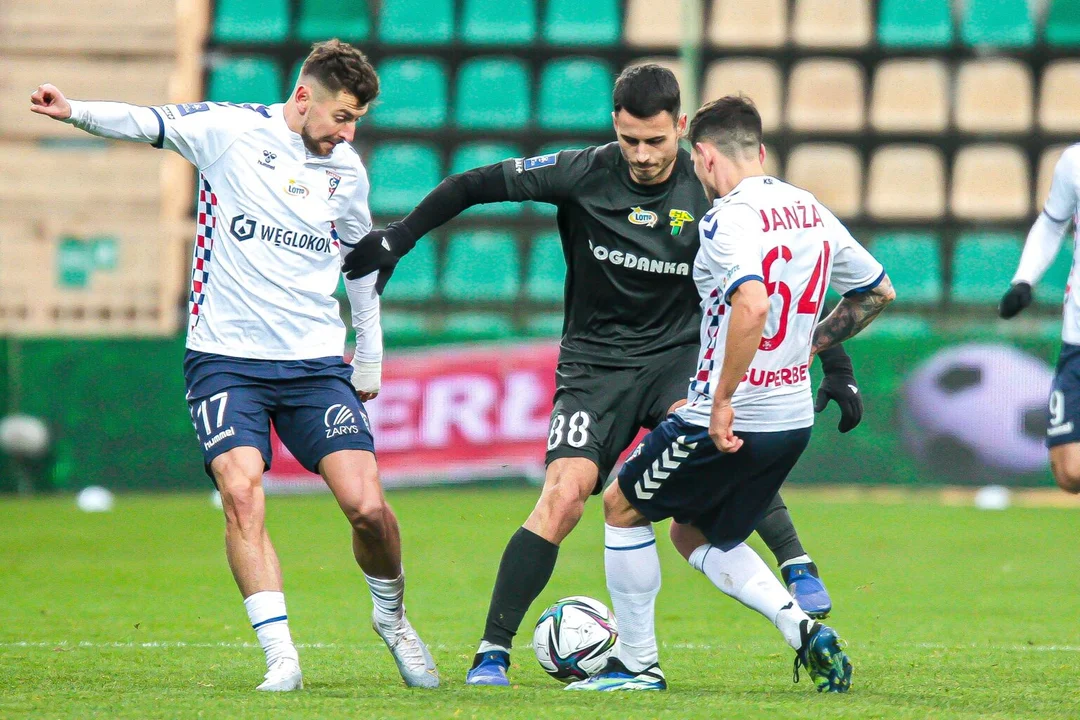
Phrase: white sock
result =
(633, 579)
(801, 560)
(743, 575)
(266, 610)
(388, 597)
(486, 647)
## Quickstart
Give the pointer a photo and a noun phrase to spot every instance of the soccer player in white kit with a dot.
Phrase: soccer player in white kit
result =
(282, 197)
(768, 252)
(1040, 249)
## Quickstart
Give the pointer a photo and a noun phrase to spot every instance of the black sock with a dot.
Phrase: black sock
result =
(778, 532)
(526, 567)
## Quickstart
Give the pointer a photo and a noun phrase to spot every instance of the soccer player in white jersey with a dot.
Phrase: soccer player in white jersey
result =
(282, 197)
(1040, 249)
(768, 252)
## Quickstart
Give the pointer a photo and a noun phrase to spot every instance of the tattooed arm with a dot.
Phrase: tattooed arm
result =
(851, 316)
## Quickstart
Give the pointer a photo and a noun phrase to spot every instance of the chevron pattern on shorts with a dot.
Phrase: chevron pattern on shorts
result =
(662, 467)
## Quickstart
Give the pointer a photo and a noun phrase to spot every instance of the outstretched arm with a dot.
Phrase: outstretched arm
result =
(851, 316)
(114, 120)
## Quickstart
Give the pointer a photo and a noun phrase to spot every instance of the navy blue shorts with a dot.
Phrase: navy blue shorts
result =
(677, 472)
(1064, 424)
(312, 404)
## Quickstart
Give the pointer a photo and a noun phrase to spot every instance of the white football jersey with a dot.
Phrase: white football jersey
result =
(767, 230)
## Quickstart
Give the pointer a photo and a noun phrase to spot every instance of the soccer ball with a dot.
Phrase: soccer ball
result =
(574, 638)
(974, 412)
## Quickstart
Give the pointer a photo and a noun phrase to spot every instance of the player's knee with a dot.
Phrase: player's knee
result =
(1066, 470)
(565, 500)
(241, 495)
(369, 516)
(614, 501)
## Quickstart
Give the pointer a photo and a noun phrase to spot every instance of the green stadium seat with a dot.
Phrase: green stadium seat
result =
(322, 19)
(915, 23)
(251, 21)
(481, 266)
(913, 261)
(1063, 23)
(466, 326)
(544, 325)
(401, 174)
(414, 279)
(477, 107)
(416, 22)
(575, 94)
(245, 80)
(471, 155)
(405, 328)
(413, 93)
(899, 327)
(983, 265)
(547, 209)
(997, 23)
(1051, 289)
(498, 22)
(582, 22)
(547, 269)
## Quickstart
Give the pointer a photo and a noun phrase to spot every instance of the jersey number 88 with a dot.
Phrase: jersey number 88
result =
(576, 430)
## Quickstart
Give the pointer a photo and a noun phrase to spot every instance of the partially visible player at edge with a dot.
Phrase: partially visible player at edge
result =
(282, 197)
(1040, 249)
(768, 252)
(627, 217)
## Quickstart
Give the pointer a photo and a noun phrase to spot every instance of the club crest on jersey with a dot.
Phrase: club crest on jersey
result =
(333, 180)
(638, 216)
(678, 218)
(296, 190)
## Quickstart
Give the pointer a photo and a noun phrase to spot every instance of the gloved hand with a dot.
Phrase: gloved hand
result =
(839, 385)
(1016, 299)
(366, 378)
(379, 250)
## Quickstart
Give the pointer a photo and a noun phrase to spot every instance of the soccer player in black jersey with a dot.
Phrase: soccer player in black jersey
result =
(627, 216)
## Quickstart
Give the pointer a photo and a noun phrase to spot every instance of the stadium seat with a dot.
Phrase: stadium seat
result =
(675, 65)
(826, 95)
(1047, 163)
(414, 279)
(416, 22)
(653, 24)
(497, 22)
(983, 265)
(477, 154)
(773, 162)
(910, 96)
(906, 182)
(245, 80)
(832, 172)
(321, 19)
(251, 21)
(913, 261)
(120, 28)
(922, 24)
(401, 174)
(748, 23)
(760, 79)
(582, 22)
(405, 328)
(994, 96)
(997, 23)
(474, 326)
(476, 107)
(544, 325)
(832, 24)
(1051, 289)
(575, 94)
(1059, 97)
(990, 182)
(547, 269)
(481, 266)
(1063, 23)
(413, 93)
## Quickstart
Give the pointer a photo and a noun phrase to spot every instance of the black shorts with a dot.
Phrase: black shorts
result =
(1064, 424)
(677, 472)
(600, 410)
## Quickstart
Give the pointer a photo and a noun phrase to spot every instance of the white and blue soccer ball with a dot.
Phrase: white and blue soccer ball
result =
(574, 638)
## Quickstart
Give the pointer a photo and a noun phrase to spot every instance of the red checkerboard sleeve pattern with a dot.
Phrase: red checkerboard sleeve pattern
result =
(205, 224)
(713, 313)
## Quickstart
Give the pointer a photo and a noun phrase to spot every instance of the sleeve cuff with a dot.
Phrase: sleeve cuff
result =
(866, 288)
(1054, 219)
(160, 142)
(735, 285)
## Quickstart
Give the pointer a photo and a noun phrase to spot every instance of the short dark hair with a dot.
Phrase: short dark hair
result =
(646, 90)
(339, 66)
(731, 123)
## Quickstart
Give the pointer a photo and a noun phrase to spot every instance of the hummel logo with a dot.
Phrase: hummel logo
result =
(386, 245)
(854, 390)
(268, 159)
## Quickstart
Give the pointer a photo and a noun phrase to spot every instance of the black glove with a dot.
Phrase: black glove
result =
(1016, 299)
(379, 250)
(839, 385)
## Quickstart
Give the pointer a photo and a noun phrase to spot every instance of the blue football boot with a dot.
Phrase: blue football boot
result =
(616, 676)
(805, 586)
(489, 669)
(822, 655)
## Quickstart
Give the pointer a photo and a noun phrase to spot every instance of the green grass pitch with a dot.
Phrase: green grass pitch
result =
(948, 613)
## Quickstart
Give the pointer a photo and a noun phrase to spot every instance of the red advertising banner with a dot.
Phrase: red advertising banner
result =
(452, 415)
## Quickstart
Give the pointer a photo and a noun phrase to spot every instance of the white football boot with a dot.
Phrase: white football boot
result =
(284, 676)
(413, 659)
